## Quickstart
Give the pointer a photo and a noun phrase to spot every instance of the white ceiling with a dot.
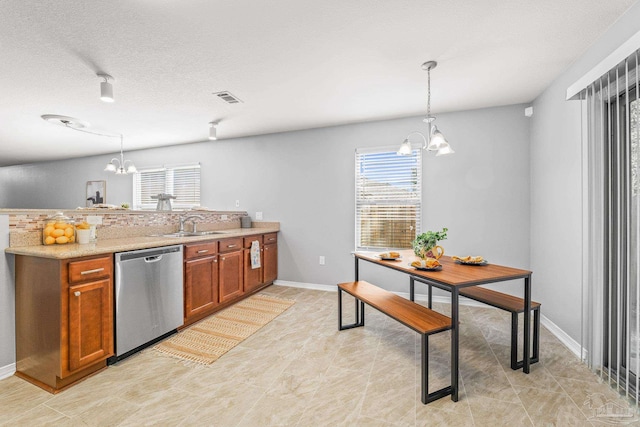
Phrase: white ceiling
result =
(296, 64)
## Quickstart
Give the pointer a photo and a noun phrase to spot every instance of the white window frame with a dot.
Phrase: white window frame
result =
(167, 183)
(390, 172)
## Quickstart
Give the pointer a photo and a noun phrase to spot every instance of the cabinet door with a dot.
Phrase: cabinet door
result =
(270, 262)
(230, 276)
(200, 285)
(252, 276)
(90, 323)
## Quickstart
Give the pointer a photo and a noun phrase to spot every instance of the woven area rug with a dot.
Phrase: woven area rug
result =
(212, 337)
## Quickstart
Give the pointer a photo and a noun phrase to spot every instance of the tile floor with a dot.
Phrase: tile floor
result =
(300, 371)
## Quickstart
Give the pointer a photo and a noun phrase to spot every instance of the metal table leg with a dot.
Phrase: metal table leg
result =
(526, 357)
(412, 289)
(455, 336)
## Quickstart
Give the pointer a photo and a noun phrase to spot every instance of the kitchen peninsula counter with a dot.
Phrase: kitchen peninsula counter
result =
(107, 246)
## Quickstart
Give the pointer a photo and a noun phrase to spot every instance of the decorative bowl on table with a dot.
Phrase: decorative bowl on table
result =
(390, 256)
(428, 264)
(470, 260)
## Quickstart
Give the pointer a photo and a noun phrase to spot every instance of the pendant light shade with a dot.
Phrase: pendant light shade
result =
(106, 88)
(120, 166)
(405, 148)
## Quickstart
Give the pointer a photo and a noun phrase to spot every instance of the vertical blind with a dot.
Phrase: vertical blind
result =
(388, 198)
(181, 181)
(611, 318)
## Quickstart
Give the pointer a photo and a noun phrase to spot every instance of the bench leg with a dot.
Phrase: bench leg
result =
(425, 396)
(359, 310)
(515, 363)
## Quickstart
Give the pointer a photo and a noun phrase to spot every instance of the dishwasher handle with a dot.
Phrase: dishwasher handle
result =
(152, 259)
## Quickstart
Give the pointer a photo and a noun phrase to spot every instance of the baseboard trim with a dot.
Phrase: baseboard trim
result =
(564, 338)
(7, 371)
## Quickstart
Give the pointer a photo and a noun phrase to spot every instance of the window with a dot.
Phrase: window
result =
(388, 198)
(181, 181)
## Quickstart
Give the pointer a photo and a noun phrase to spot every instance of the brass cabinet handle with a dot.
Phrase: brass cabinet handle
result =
(97, 270)
(77, 293)
(231, 246)
(203, 251)
(271, 239)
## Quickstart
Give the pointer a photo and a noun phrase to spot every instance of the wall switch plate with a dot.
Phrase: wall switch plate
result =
(237, 203)
(321, 260)
(258, 215)
(224, 217)
(94, 220)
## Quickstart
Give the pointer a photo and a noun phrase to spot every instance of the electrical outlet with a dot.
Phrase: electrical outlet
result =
(224, 217)
(237, 203)
(321, 260)
(258, 216)
(94, 220)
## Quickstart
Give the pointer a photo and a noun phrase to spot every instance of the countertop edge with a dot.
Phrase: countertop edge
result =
(108, 246)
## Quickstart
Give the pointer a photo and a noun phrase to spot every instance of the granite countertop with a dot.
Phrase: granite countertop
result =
(107, 246)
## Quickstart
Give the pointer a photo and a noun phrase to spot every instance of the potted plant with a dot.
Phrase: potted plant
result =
(425, 245)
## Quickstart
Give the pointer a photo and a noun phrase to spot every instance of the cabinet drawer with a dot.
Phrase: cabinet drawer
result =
(81, 271)
(228, 245)
(270, 238)
(194, 250)
(248, 240)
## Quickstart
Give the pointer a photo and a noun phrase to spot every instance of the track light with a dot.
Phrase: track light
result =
(106, 88)
(213, 133)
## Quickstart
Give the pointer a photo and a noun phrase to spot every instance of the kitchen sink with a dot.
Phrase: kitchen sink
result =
(188, 234)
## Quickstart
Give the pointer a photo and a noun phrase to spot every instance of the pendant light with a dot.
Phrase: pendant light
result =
(121, 168)
(436, 141)
(106, 88)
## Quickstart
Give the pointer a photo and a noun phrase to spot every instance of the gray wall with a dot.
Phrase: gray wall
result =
(305, 180)
(556, 186)
(7, 297)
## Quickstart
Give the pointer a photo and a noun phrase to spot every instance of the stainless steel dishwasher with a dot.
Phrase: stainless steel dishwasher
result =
(149, 302)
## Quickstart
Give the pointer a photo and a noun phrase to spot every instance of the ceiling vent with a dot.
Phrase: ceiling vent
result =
(228, 97)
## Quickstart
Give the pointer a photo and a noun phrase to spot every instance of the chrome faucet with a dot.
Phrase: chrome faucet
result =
(185, 218)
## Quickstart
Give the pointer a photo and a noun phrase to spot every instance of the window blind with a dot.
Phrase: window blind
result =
(611, 319)
(388, 198)
(181, 181)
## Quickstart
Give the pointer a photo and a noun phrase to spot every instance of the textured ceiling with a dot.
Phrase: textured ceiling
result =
(296, 64)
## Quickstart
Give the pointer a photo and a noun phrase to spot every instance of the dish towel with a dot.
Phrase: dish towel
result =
(255, 254)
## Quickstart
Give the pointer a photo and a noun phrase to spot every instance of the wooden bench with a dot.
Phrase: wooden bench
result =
(417, 317)
(514, 305)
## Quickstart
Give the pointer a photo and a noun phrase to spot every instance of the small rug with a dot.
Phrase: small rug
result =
(206, 341)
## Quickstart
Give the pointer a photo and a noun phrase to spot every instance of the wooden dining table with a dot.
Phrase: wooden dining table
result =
(452, 277)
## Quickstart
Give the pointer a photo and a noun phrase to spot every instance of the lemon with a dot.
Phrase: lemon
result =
(68, 231)
(48, 230)
(62, 240)
(58, 232)
(72, 239)
(61, 225)
(49, 240)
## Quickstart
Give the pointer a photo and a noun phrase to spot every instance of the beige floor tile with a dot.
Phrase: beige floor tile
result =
(18, 396)
(300, 370)
(42, 415)
(490, 413)
(545, 408)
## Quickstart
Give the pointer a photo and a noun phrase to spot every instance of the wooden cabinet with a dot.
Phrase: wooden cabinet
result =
(64, 318)
(270, 258)
(268, 271)
(252, 276)
(200, 280)
(231, 271)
